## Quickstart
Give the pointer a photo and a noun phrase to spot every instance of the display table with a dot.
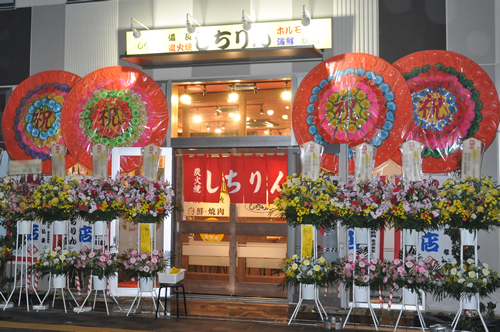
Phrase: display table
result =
(176, 286)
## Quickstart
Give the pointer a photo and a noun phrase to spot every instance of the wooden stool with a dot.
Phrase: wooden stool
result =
(176, 287)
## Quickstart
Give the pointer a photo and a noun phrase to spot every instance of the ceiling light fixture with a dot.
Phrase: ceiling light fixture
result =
(233, 96)
(189, 26)
(197, 117)
(136, 33)
(217, 130)
(306, 19)
(270, 112)
(255, 89)
(261, 110)
(223, 126)
(218, 111)
(246, 25)
(237, 117)
(286, 95)
(204, 90)
(185, 98)
(208, 126)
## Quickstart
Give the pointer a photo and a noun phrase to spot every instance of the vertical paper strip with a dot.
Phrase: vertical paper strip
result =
(364, 161)
(100, 160)
(145, 238)
(58, 160)
(471, 158)
(150, 158)
(307, 240)
(310, 158)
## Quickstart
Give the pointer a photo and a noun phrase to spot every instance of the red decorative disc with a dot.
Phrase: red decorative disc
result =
(352, 98)
(118, 107)
(31, 120)
(453, 99)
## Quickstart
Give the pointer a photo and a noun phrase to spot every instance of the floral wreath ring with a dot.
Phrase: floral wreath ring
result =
(37, 123)
(113, 117)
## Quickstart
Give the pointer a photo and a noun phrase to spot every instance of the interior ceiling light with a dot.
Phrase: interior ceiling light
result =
(185, 98)
(204, 90)
(136, 33)
(223, 126)
(230, 114)
(218, 111)
(189, 26)
(286, 95)
(217, 130)
(246, 25)
(197, 117)
(270, 112)
(261, 110)
(208, 126)
(233, 96)
(255, 89)
(284, 116)
(237, 117)
(306, 17)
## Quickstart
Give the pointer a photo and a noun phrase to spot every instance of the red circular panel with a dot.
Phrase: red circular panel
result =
(118, 107)
(353, 98)
(31, 120)
(453, 99)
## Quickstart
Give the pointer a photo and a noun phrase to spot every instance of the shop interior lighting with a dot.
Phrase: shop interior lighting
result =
(189, 26)
(136, 33)
(233, 96)
(286, 95)
(197, 117)
(306, 17)
(230, 114)
(237, 117)
(246, 25)
(223, 126)
(204, 90)
(261, 110)
(208, 126)
(218, 131)
(255, 89)
(270, 112)
(218, 111)
(185, 98)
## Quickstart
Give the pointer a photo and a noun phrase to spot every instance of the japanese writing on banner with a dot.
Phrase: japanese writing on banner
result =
(307, 240)
(150, 160)
(249, 179)
(412, 160)
(471, 158)
(310, 159)
(58, 160)
(145, 235)
(364, 161)
(232, 37)
(100, 160)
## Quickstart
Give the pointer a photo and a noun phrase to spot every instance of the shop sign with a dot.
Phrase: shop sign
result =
(248, 179)
(232, 37)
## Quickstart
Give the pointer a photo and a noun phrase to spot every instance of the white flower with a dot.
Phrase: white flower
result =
(486, 272)
(461, 280)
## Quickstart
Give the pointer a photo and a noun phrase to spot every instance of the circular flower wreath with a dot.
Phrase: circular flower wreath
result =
(357, 107)
(446, 108)
(38, 119)
(114, 117)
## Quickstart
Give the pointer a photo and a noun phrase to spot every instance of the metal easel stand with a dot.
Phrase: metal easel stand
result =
(355, 302)
(24, 229)
(139, 295)
(403, 308)
(474, 305)
(62, 286)
(99, 285)
(318, 304)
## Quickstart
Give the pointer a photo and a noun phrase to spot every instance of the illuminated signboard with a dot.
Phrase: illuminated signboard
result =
(232, 37)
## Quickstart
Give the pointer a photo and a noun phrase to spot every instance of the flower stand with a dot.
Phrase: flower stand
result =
(410, 297)
(146, 285)
(362, 294)
(98, 284)
(310, 292)
(23, 273)
(468, 301)
(59, 282)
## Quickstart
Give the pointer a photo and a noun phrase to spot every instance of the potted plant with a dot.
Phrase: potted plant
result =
(59, 263)
(470, 204)
(362, 273)
(98, 201)
(99, 263)
(463, 282)
(306, 201)
(146, 201)
(54, 203)
(308, 272)
(365, 203)
(145, 266)
(414, 204)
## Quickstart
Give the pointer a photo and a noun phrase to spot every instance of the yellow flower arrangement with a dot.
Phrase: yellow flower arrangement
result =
(307, 201)
(306, 270)
(471, 204)
(53, 199)
(56, 262)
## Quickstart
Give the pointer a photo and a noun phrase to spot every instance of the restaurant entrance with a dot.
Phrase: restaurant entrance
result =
(228, 248)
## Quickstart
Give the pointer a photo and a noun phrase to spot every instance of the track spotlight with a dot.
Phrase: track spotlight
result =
(185, 98)
(286, 95)
(261, 110)
(189, 26)
(136, 33)
(246, 25)
(233, 96)
(204, 90)
(306, 17)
